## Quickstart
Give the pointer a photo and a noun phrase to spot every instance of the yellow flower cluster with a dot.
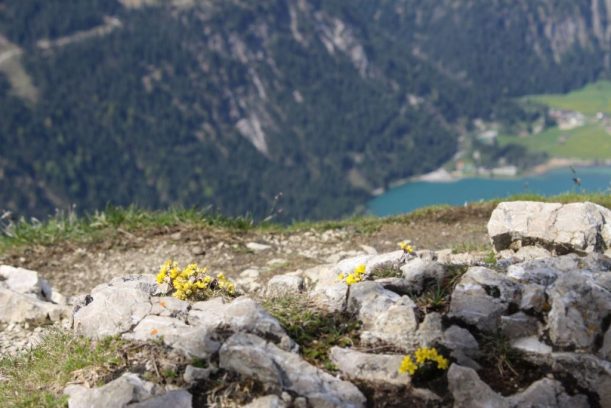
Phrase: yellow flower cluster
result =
(423, 354)
(354, 277)
(193, 282)
(406, 247)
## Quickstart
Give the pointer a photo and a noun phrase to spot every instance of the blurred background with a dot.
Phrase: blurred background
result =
(300, 109)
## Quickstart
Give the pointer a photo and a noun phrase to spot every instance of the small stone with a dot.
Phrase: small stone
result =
(531, 345)
(519, 325)
(174, 399)
(257, 247)
(470, 391)
(196, 374)
(283, 285)
(251, 356)
(269, 401)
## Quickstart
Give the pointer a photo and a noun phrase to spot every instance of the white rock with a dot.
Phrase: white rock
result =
(575, 227)
(579, 305)
(251, 356)
(531, 345)
(25, 281)
(18, 307)
(257, 247)
(471, 392)
(482, 296)
(113, 310)
(193, 341)
(371, 368)
(169, 306)
(547, 393)
(195, 374)
(118, 393)
(174, 399)
(283, 285)
(240, 315)
(269, 401)
(417, 271)
(330, 298)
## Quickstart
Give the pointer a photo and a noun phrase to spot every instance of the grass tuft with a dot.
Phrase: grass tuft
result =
(38, 377)
(315, 331)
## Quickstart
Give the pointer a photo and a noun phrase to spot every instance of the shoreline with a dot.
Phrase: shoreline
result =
(441, 175)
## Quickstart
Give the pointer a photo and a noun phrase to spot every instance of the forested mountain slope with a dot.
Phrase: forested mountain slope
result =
(229, 103)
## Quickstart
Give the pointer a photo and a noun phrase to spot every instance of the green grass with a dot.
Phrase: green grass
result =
(38, 377)
(315, 331)
(114, 221)
(111, 221)
(589, 100)
(590, 142)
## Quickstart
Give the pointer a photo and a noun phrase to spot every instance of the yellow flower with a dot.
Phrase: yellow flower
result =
(408, 366)
(360, 270)
(406, 247)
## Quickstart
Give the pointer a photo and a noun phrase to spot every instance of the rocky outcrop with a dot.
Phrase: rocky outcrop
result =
(576, 227)
(553, 310)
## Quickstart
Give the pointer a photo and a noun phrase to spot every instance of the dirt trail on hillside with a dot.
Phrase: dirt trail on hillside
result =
(76, 268)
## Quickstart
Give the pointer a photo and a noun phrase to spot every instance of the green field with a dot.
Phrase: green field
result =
(590, 142)
(589, 100)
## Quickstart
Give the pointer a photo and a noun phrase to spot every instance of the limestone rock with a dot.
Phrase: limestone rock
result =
(251, 356)
(471, 392)
(589, 371)
(193, 341)
(371, 368)
(240, 315)
(417, 272)
(17, 307)
(121, 392)
(174, 399)
(579, 305)
(519, 325)
(25, 281)
(113, 310)
(331, 298)
(547, 393)
(543, 271)
(531, 345)
(482, 296)
(195, 374)
(269, 401)
(248, 281)
(575, 227)
(605, 350)
(282, 285)
(463, 346)
(257, 247)
(168, 306)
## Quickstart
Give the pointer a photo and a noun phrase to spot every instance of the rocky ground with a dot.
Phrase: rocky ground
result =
(527, 325)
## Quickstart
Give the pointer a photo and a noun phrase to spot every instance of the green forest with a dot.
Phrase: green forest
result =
(148, 114)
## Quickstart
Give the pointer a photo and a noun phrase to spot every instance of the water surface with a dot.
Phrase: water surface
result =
(411, 196)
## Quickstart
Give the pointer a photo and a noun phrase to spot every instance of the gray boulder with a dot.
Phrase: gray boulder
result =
(283, 285)
(482, 296)
(381, 369)
(330, 298)
(279, 370)
(417, 272)
(470, 391)
(17, 307)
(269, 401)
(127, 389)
(193, 341)
(575, 227)
(25, 281)
(580, 301)
(112, 310)
(240, 315)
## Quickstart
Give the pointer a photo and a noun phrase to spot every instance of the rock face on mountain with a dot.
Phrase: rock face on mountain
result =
(251, 93)
(548, 317)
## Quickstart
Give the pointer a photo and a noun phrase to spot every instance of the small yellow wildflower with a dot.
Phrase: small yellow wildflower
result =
(423, 354)
(408, 366)
(406, 247)
(356, 276)
(193, 282)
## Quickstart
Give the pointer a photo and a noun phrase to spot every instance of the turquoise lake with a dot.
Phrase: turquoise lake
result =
(411, 196)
